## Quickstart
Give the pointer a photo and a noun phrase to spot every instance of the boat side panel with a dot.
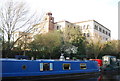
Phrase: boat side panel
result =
(15, 68)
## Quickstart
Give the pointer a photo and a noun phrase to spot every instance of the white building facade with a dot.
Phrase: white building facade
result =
(61, 25)
(92, 29)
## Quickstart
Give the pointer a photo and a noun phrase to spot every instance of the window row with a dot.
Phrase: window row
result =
(85, 27)
(58, 27)
(101, 30)
(65, 66)
(86, 34)
(81, 27)
(35, 29)
(72, 26)
(105, 39)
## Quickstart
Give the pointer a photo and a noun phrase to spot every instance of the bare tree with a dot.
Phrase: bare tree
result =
(15, 16)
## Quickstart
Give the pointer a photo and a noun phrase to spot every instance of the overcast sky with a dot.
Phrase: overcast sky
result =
(103, 11)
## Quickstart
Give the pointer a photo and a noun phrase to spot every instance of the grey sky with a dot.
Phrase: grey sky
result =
(103, 11)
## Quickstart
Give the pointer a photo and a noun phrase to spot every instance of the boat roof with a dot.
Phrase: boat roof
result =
(108, 56)
(43, 60)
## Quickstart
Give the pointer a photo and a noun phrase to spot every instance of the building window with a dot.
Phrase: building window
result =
(100, 29)
(83, 66)
(88, 34)
(66, 67)
(106, 39)
(57, 27)
(35, 29)
(84, 27)
(84, 34)
(109, 34)
(96, 27)
(103, 31)
(106, 32)
(87, 27)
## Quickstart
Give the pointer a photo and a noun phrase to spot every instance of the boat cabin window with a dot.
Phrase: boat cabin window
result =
(66, 67)
(46, 66)
(83, 66)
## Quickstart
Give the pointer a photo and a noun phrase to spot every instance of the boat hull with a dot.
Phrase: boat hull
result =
(53, 77)
(47, 69)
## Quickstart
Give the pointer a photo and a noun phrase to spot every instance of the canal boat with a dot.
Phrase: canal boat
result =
(110, 63)
(100, 63)
(16, 69)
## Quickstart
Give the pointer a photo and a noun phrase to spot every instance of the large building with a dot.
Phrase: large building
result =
(46, 25)
(24, 39)
(91, 29)
(61, 25)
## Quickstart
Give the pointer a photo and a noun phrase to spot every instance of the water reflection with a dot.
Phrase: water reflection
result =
(109, 77)
(102, 77)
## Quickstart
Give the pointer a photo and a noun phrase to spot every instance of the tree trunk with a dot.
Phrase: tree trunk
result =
(8, 46)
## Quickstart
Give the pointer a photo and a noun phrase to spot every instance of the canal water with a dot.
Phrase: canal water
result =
(110, 76)
(102, 77)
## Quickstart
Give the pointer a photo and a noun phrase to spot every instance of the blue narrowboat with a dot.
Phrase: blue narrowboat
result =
(13, 69)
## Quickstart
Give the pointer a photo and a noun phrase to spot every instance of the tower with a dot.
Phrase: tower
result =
(49, 21)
